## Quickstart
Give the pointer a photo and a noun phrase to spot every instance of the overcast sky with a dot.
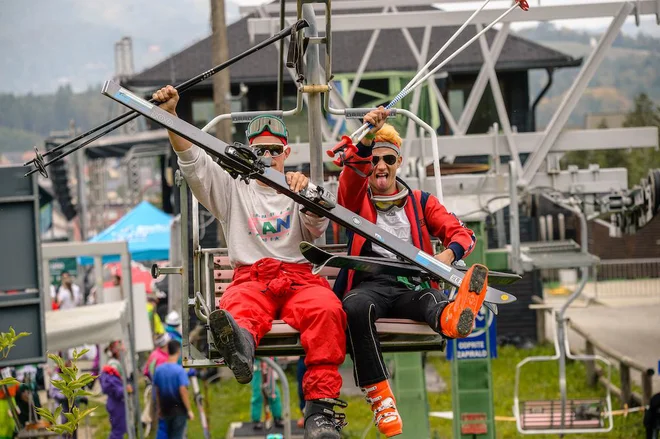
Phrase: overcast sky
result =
(46, 43)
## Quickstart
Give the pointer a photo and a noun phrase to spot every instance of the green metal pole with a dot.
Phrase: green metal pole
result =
(410, 391)
(472, 380)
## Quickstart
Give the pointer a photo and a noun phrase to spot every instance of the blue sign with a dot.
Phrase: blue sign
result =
(474, 346)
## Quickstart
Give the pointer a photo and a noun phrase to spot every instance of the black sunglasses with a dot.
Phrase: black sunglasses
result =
(275, 150)
(390, 159)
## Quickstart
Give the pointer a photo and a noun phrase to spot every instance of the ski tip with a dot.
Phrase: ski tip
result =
(304, 245)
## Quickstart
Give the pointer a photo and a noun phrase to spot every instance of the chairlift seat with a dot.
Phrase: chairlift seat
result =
(396, 335)
(547, 415)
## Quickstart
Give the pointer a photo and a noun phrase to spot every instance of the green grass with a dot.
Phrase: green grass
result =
(230, 402)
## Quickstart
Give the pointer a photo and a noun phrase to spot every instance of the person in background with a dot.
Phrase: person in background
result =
(53, 297)
(265, 387)
(172, 324)
(68, 294)
(300, 373)
(113, 386)
(652, 418)
(27, 394)
(171, 396)
(7, 424)
(155, 322)
(158, 356)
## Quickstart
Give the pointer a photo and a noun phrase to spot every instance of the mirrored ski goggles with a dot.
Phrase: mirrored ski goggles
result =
(390, 159)
(274, 149)
(385, 203)
(272, 124)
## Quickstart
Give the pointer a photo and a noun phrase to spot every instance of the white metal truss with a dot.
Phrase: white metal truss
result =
(420, 54)
(348, 5)
(479, 86)
(373, 39)
(417, 94)
(372, 21)
(484, 144)
(573, 95)
(552, 142)
(489, 64)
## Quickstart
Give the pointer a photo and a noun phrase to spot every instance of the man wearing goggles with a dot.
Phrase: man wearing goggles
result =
(271, 277)
(371, 188)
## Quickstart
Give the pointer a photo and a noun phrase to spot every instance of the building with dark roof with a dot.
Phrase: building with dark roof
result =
(390, 67)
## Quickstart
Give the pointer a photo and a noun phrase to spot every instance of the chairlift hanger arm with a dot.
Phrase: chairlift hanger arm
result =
(314, 198)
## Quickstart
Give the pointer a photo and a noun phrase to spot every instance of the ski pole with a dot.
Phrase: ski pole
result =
(359, 134)
(38, 162)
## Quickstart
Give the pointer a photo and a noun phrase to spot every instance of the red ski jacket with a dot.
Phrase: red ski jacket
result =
(423, 210)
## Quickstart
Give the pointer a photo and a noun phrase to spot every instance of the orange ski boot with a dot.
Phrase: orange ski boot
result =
(386, 416)
(457, 319)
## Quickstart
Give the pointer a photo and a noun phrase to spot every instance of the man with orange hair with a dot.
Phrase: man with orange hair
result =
(368, 186)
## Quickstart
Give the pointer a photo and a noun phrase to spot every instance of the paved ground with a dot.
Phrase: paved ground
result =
(629, 325)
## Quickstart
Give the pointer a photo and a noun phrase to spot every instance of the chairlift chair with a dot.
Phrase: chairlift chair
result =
(564, 416)
(212, 274)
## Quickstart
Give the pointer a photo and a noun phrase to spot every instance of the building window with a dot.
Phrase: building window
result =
(203, 111)
(297, 125)
(456, 103)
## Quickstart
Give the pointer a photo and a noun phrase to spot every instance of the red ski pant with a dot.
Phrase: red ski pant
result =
(270, 289)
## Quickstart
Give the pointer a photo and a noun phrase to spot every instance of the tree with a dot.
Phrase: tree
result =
(644, 114)
(637, 161)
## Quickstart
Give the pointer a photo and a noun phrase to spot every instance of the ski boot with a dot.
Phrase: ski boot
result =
(386, 416)
(321, 421)
(235, 344)
(457, 319)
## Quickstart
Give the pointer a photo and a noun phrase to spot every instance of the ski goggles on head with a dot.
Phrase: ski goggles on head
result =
(272, 124)
(387, 205)
(274, 149)
(389, 159)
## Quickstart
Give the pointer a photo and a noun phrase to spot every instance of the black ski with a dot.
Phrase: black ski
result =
(241, 162)
(320, 259)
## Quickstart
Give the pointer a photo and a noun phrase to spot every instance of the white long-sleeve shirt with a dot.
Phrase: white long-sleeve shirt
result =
(257, 221)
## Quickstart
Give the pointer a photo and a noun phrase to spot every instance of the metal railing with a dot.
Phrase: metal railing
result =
(594, 373)
(612, 278)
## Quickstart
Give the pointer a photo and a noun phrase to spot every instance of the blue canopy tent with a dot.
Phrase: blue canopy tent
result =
(147, 231)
